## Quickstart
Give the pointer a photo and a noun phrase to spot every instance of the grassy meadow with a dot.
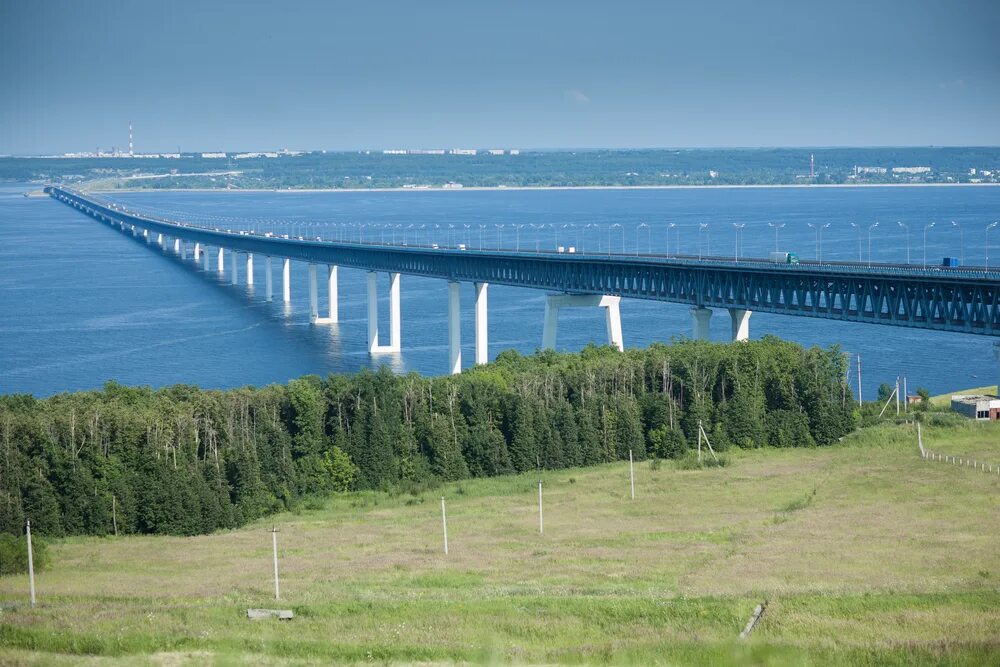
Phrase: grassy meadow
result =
(866, 554)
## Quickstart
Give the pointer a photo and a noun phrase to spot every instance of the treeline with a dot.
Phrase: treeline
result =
(182, 460)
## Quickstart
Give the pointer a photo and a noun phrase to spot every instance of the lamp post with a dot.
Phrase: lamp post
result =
(858, 227)
(988, 228)
(819, 239)
(677, 234)
(649, 242)
(906, 231)
(703, 227)
(776, 226)
(870, 228)
(739, 230)
(961, 242)
(926, 227)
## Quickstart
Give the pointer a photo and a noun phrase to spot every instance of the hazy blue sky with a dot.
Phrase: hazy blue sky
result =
(340, 75)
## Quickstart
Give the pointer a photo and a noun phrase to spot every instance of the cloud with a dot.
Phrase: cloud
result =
(577, 95)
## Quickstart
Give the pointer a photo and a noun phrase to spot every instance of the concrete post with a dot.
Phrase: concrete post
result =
(482, 313)
(332, 297)
(454, 329)
(394, 321)
(268, 279)
(207, 260)
(613, 322)
(184, 250)
(612, 315)
(197, 252)
(313, 298)
(286, 280)
(372, 312)
(220, 263)
(741, 323)
(135, 232)
(249, 268)
(145, 234)
(177, 245)
(234, 267)
(159, 240)
(701, 319)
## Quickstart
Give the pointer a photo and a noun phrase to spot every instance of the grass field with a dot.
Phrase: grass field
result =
(866, 553)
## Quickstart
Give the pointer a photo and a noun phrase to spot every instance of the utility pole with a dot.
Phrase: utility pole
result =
(31, 564)
(859, 379)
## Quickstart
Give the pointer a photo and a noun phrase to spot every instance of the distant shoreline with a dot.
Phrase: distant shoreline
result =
(521, 188)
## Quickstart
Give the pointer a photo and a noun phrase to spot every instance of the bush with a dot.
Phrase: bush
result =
(690, 461)
(14, 554)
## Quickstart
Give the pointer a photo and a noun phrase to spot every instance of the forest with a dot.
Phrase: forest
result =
(182, 460)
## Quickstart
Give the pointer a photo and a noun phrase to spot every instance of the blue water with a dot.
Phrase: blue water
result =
(82, 304)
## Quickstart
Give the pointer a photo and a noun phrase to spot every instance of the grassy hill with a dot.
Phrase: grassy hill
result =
(866, 553)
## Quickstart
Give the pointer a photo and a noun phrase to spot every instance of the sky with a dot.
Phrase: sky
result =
(221, 75)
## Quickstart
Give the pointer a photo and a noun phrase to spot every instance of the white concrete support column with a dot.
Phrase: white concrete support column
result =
(332, 298)
(394, 322)
(207, 260)
(135, 232)
(372, 312)
(268, 279)
(454, 329)
(197, 252)
(701, 318)
(145, 233)
(741, 323)
(177, 245)
(313, 298)
(220, 263)
(184, 250)
(286, 280)
(249, 268)
(234, 266)
(613, 321)
(159, 240)
(482, 346)
(612, 316)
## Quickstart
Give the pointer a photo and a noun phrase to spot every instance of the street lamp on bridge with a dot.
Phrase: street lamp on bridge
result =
(870, 229)
(739, 230)
(776, 226)
(677, 239)
(819, 239)
(703, 227)
(988, 228)
(906, 231)
(926, 227)
(961, 242)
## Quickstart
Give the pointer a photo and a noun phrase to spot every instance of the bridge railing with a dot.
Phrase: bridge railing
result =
(693, 261)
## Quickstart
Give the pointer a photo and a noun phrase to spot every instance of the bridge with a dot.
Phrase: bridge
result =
(957, 299)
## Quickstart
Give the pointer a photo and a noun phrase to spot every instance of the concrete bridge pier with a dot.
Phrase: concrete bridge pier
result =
(177, 245)
(184, 250)
(313, 300)
(135, 232)
(701, 318)
(249, 268)
(286, 280)
(145, 234)
(454, 329)
(207, 260)
(159, 240)
(268, 279)
(482, 346)
(197, 252)
(612, 315)
(220, 262)
(234, 267)
(394, 310)
(741, 323)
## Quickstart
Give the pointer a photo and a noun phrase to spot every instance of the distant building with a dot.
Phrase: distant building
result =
(713, 174)
(514, 151)
(496, 151)
(463, 151)
(427, 151)
(977, 406)
(451, 185)
(213, 155)
(394, 151)
(911, 170)
(869, 170)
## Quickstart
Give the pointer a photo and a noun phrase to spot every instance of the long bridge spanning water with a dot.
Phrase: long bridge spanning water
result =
(958, 299)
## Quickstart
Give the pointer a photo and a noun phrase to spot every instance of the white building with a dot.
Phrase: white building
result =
(911, 170)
